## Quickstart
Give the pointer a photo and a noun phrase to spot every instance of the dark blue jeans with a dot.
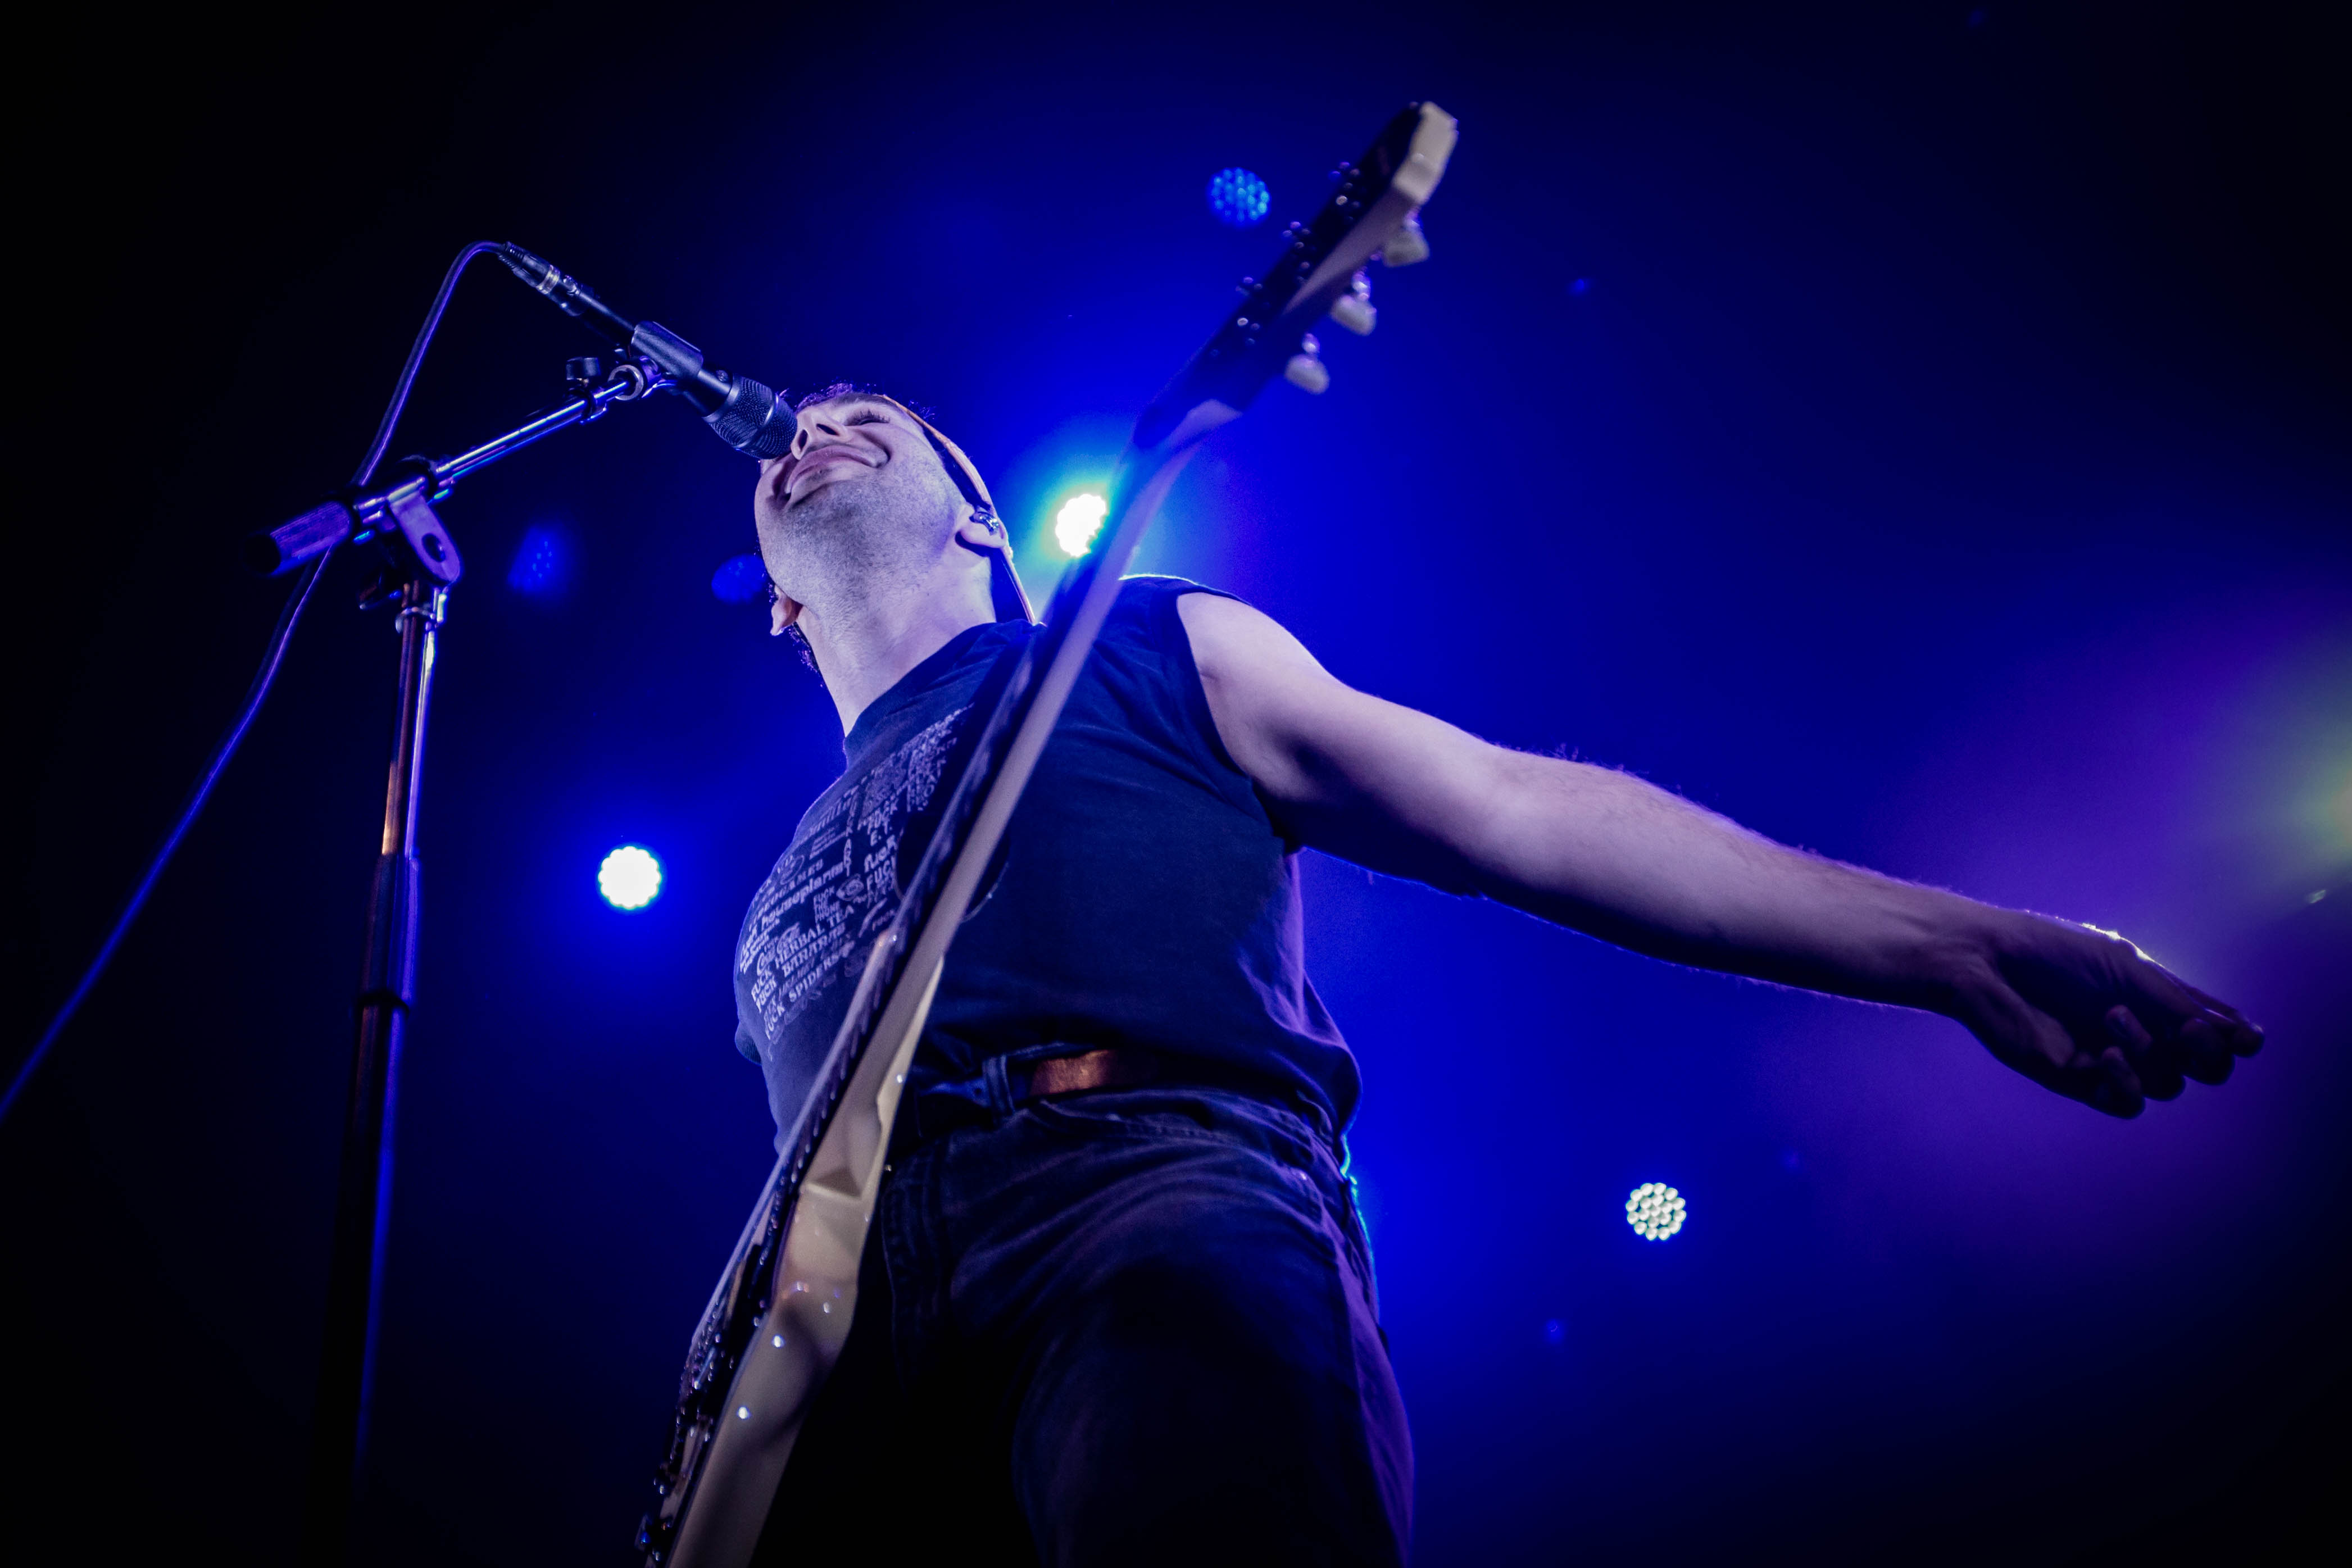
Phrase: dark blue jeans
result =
(1128, 1328)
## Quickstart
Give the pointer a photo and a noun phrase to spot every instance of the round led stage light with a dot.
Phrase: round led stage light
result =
(1655, 1211)
(542, 563)
(630, 877)
(1238, 197)
(740, 579)
(1076, 525)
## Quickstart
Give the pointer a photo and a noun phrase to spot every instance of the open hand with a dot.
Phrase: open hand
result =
(2087, 1014)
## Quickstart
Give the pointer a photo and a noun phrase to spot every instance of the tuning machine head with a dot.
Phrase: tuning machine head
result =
(1410, 245)
(1306, 370)
(1354, 309)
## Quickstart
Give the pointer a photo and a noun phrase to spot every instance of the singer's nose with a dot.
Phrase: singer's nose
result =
(800, 436)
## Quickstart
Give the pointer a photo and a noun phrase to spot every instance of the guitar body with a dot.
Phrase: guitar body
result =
(799, 1337)
(777, 1322)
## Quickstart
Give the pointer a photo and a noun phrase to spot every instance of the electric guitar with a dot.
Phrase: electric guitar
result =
(780, 1312)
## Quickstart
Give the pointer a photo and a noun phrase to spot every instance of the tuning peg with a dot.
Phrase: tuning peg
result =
(1354, 309)
(1306, 371)
(1409, 245)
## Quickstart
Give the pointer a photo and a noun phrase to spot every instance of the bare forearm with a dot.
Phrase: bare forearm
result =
(1604, 852)
(1595, 850)
(1607, 853)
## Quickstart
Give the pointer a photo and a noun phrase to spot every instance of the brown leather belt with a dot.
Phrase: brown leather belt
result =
(1090, 1070)
(1084, 1071)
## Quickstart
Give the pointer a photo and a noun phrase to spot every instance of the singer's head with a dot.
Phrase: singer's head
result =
(874, 526)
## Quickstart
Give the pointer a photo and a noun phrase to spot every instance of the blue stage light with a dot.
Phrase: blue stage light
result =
(542, 563)
(1655, 1211)
(742, 579)
(1076, 525)
(630, 877)
(1238, 197)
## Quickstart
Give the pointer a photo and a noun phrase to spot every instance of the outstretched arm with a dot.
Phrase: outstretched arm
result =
(2083, 1012)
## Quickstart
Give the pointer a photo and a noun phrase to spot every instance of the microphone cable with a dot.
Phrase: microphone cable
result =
(275, 655)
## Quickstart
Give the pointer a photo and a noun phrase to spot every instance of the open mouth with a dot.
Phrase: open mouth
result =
(821, 463)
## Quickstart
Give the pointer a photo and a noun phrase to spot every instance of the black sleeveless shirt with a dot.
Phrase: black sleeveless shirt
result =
(1146, 897)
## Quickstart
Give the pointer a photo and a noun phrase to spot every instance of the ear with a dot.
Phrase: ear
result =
(782, 612)
(979, 531)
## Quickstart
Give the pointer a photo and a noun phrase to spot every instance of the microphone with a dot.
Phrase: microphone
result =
(745, 414)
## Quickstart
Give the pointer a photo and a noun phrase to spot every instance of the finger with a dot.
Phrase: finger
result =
(2204, 1045)
(2236, 1033)
(2206, 1051)
(2159, 1078)
(2035, 1044)
(2171, 1004)
(2103, 1080)
(2211, 1070)
(2241, 1035)
(2116, 1088)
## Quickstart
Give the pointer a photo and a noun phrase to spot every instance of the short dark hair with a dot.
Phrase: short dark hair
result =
(855, 389)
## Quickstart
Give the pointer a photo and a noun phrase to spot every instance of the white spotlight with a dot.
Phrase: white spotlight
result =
(1076, 525)
(1655, 1211)
(630, 877)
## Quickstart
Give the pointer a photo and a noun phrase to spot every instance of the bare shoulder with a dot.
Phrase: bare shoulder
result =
(1265, 691)
(1235, 641)
(1311, 742)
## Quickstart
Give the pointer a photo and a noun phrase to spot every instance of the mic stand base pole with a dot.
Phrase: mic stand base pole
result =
(362, 1204)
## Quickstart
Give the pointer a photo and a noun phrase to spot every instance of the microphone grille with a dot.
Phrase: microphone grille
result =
(754, 420)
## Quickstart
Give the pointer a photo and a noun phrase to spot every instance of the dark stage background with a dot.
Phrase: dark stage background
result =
(1916, 432)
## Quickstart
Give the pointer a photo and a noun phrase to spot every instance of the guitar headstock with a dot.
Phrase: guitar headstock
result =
(1372, 211)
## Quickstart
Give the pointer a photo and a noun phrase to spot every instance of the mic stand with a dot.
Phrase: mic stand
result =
(422, 563)
(364, 1190)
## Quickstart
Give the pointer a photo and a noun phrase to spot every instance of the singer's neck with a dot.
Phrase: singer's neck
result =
(866, 643)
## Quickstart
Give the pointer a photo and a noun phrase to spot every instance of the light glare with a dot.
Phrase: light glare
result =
(1076, 525)
(1655, 1211)
(630, 877)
